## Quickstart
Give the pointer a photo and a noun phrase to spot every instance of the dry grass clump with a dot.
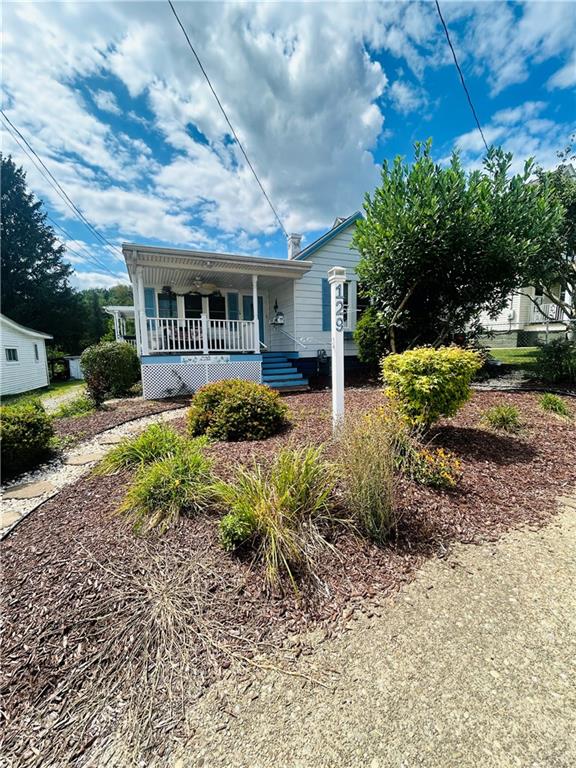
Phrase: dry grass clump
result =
(504, 418)
(156, 632)
(278, 512)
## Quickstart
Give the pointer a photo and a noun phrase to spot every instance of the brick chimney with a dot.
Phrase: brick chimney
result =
(294, 249)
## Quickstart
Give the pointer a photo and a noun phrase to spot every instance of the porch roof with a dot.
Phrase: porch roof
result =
(175, 266)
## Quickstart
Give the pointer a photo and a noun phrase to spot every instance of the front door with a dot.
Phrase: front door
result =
(248, 313)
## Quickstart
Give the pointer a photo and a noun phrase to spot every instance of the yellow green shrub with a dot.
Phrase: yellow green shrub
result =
(427, 383)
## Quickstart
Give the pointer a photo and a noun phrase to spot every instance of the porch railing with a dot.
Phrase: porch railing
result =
(202, 335)
(546, 312)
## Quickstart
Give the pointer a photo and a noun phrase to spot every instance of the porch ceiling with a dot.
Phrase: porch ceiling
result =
(184, 269)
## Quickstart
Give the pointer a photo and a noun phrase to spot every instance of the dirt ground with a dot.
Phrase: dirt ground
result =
(471, 664)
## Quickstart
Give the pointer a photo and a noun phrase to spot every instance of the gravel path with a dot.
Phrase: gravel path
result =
(60, 473)
(471, 664)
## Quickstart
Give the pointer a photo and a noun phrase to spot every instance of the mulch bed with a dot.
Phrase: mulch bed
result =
(54, 561)
(78, 428)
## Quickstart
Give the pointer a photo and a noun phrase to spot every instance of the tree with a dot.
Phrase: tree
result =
(97, 325)
(438, 245)
(554, 269)
(35, 279)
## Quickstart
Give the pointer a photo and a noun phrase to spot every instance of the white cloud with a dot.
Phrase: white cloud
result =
(520, 131)
(405, 97)
(565, 77)
(82, 280)
(106, 101)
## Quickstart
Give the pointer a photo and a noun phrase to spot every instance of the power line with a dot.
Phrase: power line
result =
(227, 119)
(90, 257)
(85, 254)
(466, 91)
(56, 184)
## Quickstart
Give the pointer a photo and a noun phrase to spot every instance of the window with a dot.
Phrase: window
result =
(362, 303)
(36, 355)
(192, 306)
(167, 305)
(11, 355)
(217, 307)
(346, 287)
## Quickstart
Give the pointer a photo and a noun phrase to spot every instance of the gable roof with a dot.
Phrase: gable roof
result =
(339, 226)
(22, 328)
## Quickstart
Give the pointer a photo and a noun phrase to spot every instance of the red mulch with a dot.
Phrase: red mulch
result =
(77, 428)
(50, 562)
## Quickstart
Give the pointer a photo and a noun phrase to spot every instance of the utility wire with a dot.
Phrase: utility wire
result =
(55, 183)
(90, 257)
(85, 254)
(227, 118)
(466, 91)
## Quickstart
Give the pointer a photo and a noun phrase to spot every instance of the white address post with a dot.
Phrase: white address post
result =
(337, 278)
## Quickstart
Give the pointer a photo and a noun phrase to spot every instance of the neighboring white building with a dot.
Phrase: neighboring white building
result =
(529, 317)
(24, 365)
(195, 320)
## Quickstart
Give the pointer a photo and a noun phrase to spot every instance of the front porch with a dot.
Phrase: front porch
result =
(202, 317)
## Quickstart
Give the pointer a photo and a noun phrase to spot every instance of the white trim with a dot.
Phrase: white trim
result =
(12, 362)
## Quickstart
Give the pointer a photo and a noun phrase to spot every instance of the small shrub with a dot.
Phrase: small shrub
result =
(277, 511)
(236, 410)
(505, 418)
(435, 467)
(158, 441)
(110, 368)
(25, 436)
(167, 488)
(428, 383)
(554, 404)
(370, 454)
(556, 362)
(79, 406)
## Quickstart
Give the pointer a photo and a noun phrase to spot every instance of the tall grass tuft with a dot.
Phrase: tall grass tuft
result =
(158, 441)
(554, 404)
(278, 512)
(505, 418)
(78, 406)
(165, 489)
(370, 453)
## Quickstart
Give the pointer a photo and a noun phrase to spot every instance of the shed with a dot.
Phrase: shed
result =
(23, 363)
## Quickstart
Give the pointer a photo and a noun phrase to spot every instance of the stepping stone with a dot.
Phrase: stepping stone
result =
(84, 458)
(29, 490)
(8, 518)
(111, 439)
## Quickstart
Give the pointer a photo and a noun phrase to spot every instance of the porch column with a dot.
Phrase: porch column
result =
(142, 313)
(117, 335)
(255, 313)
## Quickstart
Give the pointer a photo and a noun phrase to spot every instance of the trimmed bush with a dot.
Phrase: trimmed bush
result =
(25, 436)
(79, 406)
(556, 362)
(370, 453)
(236, 410)
(165, 489)
(554, 404)
(110, 369)
(505, 418)
(427, 383)
(277, 511)
(158, 441)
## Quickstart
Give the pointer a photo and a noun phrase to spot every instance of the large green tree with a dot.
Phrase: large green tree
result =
(439, 245)
(35, 279)
(554, 269)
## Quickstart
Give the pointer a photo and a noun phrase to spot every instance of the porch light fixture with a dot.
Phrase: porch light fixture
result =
(278, 318)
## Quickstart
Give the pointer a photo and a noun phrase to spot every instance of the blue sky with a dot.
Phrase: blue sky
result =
(111, 98)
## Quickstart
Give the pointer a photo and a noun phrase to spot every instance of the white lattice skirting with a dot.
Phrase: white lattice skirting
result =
(173, 379)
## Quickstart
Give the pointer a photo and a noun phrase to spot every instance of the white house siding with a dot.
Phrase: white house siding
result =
(308, 294)
(28, 373)
(280, 336)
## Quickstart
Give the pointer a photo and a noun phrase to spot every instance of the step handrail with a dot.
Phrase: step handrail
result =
(293, 338)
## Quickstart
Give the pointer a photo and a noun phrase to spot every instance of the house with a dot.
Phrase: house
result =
(201, 317)
(528, 318)
(24, 365)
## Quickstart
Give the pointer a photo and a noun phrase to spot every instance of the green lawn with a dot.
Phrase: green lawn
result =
(57, 388)
(518, 357)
